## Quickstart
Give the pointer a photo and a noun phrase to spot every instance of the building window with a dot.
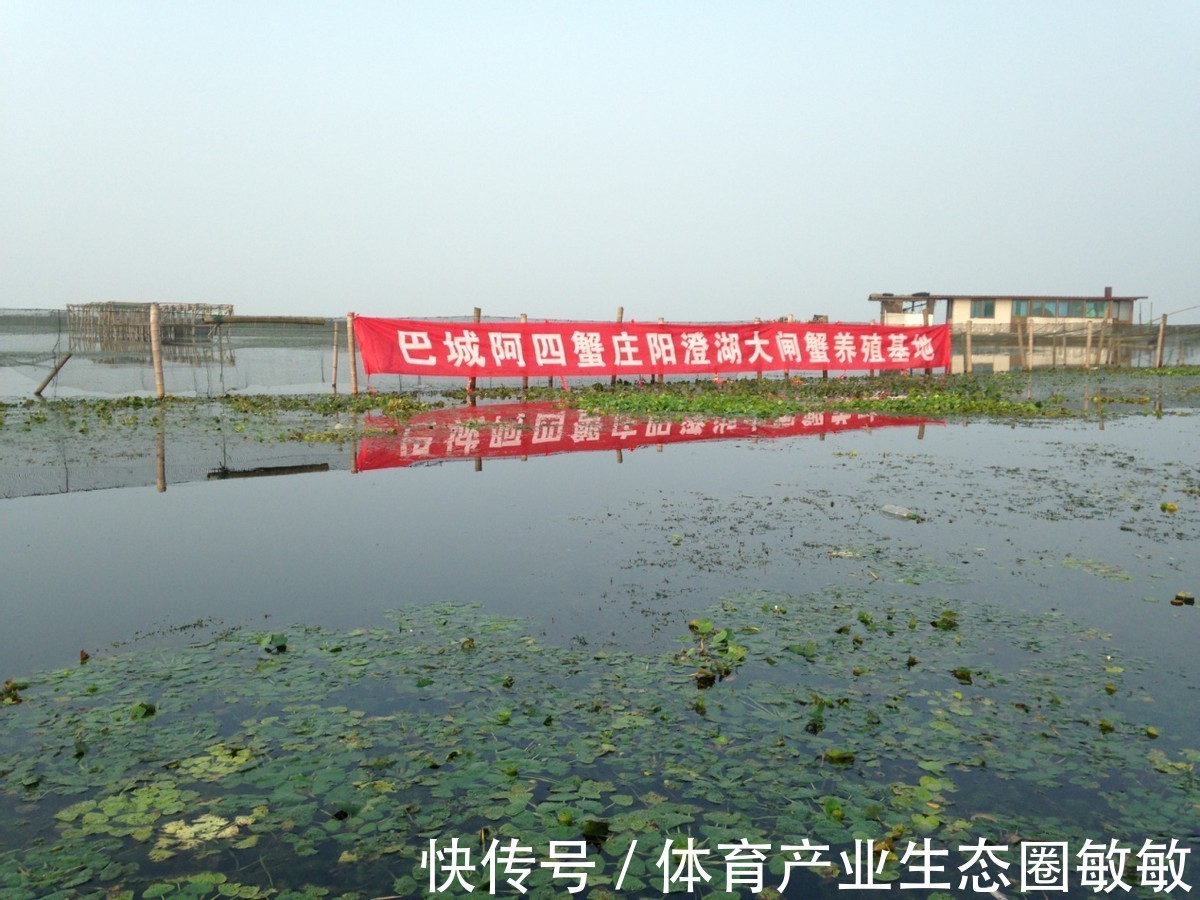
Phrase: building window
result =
(1020, 308)
(983, 309)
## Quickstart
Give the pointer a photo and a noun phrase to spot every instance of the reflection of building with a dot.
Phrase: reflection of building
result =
(121, 331)
(1049, 354)
(1007, 312)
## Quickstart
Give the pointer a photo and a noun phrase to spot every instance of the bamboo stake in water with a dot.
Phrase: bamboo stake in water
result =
(477, 315)
(620, 317)
(524, 378)
(62, 362)
(333, 374)
(353, 354)
(160, 390)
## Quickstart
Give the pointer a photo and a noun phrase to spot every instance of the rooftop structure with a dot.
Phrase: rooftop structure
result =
(1004, 312)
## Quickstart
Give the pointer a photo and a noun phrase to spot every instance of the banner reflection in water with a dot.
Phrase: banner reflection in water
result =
(541, 429)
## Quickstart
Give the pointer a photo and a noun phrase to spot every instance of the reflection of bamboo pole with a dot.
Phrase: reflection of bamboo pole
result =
(62, 362)
(352, 353)
(333, 374)
(160, 390)
(160, 468)
(1158, 353)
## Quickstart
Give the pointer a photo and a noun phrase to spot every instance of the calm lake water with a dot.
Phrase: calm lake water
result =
(592, 548)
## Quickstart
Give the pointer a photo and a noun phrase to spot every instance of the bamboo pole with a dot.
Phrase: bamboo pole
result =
(160, 390)
(925, 317)
(63, 361)
(620, 318)
(353, 354)
(1087, 347)
(967, 366)
(333, 374)
(758, 373)
(661, 321)
(1158, 353)
(261, 320)
(524, 378)
(476, 316)
(1029, 355)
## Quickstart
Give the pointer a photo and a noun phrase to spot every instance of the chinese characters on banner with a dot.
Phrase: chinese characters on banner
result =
(571, 349)
(540, 429)
(986, 868)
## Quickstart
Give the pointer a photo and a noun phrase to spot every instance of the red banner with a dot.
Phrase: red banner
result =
(499, 349)
(540, 429)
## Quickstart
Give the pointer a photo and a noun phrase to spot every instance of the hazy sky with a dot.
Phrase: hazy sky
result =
(693, 160)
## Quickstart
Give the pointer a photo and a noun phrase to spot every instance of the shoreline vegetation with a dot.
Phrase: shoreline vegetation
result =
(1006, 396)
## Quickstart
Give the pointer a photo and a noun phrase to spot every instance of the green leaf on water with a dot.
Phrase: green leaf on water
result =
(807, 649)
(925, 824)
(142, 710)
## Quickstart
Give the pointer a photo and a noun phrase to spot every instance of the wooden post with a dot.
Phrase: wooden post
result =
(789, 318)
(160, 390)
(967, 366)
(1158, 353)
(524, 378)
(476, 316)
(653, 377)
(1029, 354)
(63, 361)
(925, 316)
(1021, 342)
(333, 374)
(352, 351)
(620, 318)
(1087, 346)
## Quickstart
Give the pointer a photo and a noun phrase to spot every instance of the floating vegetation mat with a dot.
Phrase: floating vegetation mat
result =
(313, 763)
